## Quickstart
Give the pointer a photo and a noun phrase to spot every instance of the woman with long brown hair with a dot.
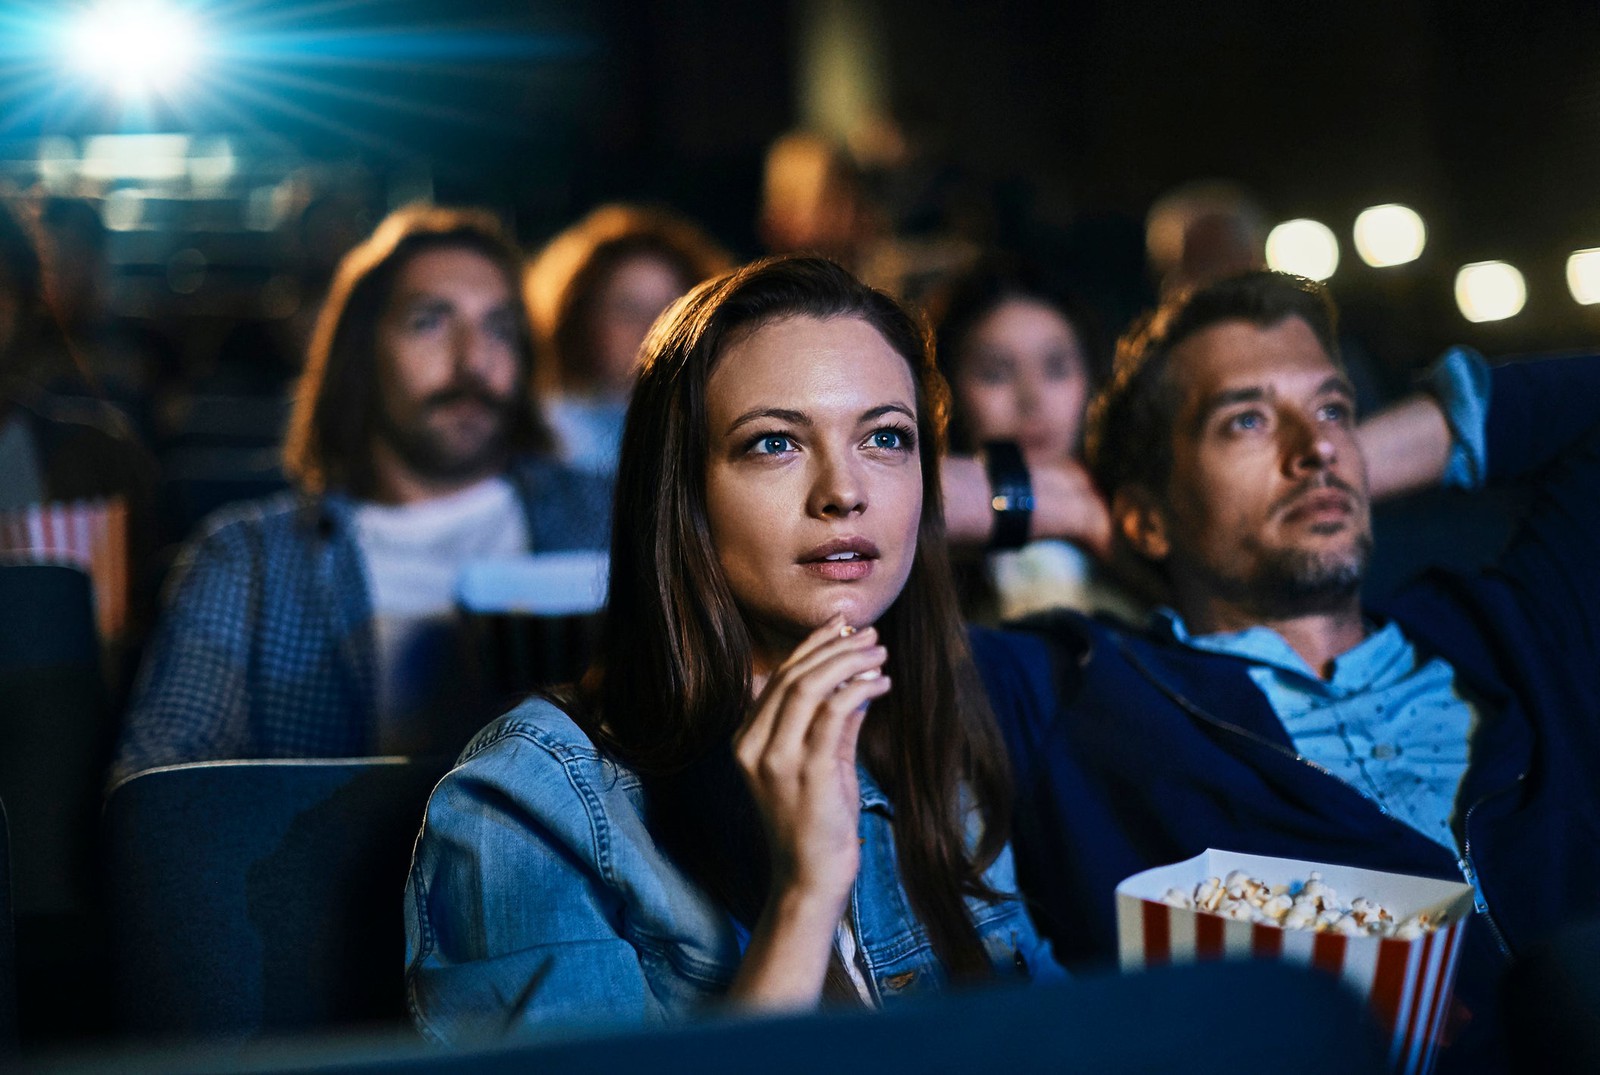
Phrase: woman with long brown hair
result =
(593, 292)
(781, 780)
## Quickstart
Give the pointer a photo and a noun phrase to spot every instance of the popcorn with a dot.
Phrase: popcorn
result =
(1312, 904)
(1395, 943)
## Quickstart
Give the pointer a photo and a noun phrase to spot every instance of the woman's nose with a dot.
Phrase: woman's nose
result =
(839, 489)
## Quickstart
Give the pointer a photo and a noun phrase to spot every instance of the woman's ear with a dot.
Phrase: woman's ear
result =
(1142, 522)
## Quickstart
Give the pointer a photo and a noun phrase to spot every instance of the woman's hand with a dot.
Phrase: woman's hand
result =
(1066, 504)
(797, 750)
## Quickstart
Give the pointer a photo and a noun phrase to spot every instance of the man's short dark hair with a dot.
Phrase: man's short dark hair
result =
(1129, 439)
(337, 401)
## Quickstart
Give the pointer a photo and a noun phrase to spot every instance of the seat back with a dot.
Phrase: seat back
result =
(532, 621)
(1200, 1019)
(56, 735)
(262, 896)
(8, 949)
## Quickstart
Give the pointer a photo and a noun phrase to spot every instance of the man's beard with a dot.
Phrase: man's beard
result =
(1299, 582)
(431, 453)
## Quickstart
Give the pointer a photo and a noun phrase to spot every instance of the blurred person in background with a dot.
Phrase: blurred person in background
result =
(76, 486)
(321, 622)
(1022, 359)
(813, 200)
(1202, 232)
(715, 817)
(129, 363)
(593, 292)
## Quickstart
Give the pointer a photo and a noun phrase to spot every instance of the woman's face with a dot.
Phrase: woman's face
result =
(630, 300)
(1021, 375)
(813, 481)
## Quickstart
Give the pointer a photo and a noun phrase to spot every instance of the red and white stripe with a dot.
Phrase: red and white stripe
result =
(1407, 983)
(91, 535)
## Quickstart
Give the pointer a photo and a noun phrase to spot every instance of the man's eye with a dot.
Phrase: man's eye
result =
(772, 444)
(1247, 421)
(1336, 412)
(424, 320)
(503, 329)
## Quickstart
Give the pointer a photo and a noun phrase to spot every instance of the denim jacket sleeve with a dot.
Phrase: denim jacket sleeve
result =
(537, 899)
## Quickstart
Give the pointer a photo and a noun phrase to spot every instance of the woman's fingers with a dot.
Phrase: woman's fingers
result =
(817, 650)
(832, 736)
(802, 701)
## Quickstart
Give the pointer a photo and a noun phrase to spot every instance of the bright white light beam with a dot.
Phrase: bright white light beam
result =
(137, 46)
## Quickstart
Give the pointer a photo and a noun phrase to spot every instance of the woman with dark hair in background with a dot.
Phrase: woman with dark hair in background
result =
(1022, 359)
(715, 813)
(592, 293)
(75, 485)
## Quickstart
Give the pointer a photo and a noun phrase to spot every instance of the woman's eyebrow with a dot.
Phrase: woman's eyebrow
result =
(779, 413)
(888, 408)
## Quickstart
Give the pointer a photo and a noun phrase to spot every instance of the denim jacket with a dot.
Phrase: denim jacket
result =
(537, 898)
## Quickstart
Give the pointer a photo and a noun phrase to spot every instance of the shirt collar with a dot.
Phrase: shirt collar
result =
(1370, 663)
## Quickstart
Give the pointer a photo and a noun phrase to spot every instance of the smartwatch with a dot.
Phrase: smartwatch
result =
(1010, 494)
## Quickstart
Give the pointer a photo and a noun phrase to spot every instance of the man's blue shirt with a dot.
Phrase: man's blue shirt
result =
(1394, 728)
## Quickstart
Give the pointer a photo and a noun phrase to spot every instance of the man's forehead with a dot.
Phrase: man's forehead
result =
(1231, 356)
(443, 270)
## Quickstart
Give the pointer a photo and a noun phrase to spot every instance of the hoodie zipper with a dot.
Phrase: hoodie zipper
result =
(1463, 864)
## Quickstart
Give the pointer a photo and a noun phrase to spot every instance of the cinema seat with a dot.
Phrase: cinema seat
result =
(261, 897)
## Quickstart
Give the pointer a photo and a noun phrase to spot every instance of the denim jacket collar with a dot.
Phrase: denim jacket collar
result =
(872, 796)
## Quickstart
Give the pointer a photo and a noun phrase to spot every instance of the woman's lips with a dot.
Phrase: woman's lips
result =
(846, 559)
(840, 570)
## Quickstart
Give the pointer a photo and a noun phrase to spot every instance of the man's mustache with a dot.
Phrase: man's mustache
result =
(467, 390)
(1324, 479)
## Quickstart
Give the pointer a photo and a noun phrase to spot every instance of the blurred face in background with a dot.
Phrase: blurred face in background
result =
(1022, 375)
(629, 301)
(448, 363)
(814, 482)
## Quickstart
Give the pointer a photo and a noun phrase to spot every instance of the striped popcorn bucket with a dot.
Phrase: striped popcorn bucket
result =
(1406, 983)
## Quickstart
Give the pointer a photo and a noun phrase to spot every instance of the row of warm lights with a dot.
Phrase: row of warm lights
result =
(1388, 235)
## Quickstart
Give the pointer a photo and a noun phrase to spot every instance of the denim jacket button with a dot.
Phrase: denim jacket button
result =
(896, 982)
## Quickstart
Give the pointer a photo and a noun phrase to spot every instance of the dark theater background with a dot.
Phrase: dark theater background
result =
(1052, 124)
(234, 149)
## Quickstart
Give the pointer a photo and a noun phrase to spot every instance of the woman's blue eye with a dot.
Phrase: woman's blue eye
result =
(892, 439)
(773, 444)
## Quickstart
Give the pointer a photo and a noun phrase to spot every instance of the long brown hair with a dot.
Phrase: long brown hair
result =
(673, 678)
(563, 283)
(329, 444)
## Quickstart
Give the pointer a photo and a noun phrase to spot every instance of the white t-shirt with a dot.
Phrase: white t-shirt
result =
(414, 554)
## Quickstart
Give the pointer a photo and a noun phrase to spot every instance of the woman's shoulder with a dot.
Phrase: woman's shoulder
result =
(539, 732)
(534, 767)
